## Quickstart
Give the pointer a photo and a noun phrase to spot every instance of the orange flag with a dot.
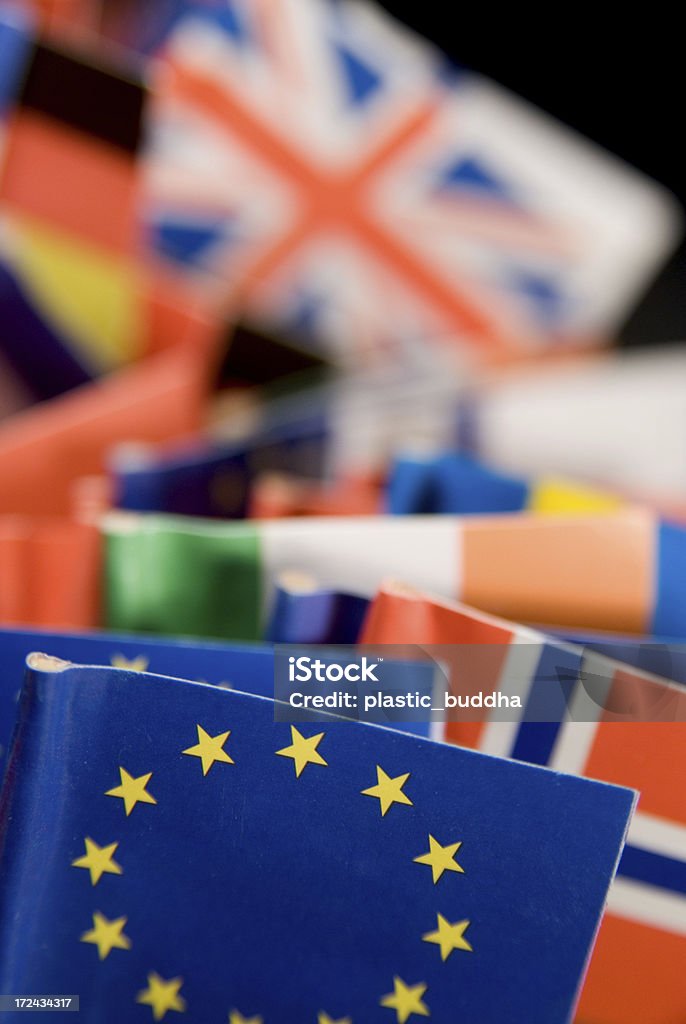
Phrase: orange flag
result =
(43, 450)
(49, 572)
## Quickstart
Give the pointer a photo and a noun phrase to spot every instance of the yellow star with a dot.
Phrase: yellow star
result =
(440, 858)
(448, 936)
(162, 995)
(138, 664)
(323, 1018)
(98, 860)
(237, 1018)
(303, 750)
(406, 1000)
(107, 935)
(132, 791)
(209, 749)
(388, 791)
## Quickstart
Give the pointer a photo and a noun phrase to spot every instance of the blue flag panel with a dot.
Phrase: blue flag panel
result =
(174, 851)
(246, 667)
(236, 666)
(452, 484)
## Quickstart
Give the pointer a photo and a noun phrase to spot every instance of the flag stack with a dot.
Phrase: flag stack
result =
(342, 576)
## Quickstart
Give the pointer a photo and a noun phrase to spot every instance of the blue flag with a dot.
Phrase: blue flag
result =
(170, 852)
(308, 614)
(452, 483)
(212, 480)
(246, 667)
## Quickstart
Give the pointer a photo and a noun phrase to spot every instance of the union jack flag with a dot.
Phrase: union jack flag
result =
(328, 171)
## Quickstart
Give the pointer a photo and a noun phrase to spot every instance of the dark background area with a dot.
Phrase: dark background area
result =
(620, 83)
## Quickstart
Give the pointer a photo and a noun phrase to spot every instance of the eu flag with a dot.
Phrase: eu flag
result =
(246, 667)
(170, 852)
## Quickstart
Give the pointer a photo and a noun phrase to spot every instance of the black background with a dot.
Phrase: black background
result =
(621, 83)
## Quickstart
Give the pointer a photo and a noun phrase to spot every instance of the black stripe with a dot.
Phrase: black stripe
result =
(258, 357)
(88, 98)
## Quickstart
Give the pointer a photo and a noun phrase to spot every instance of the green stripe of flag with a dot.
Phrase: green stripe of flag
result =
(163, 575)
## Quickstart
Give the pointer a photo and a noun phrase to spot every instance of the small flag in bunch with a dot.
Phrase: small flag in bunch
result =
(44, 450)
(305, 836)
(460, 484)
(50, 572)
(319, 161)
(304, 613)
(78, 298)
(586, 714)
(614, 572)
(619, 420)
(378, 413)
(72, 306)
(206, 478)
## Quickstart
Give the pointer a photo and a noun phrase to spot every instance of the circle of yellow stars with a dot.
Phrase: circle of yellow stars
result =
(164, 995)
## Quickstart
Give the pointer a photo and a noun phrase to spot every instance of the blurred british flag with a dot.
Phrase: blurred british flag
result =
(316, 164)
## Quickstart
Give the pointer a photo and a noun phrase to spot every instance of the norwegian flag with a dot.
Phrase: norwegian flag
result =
(641, 946)
(329, 172)
(590, 715)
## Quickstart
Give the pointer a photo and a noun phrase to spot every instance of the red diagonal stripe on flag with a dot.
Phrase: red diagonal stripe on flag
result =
(334, 199)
